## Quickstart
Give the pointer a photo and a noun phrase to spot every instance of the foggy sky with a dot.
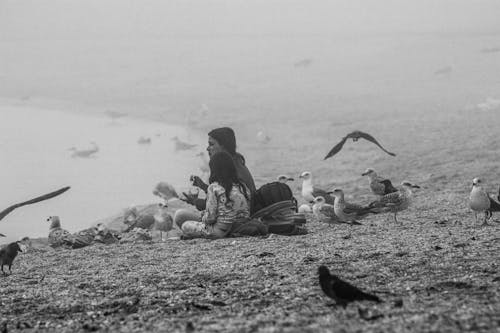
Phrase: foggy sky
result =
(61, 19)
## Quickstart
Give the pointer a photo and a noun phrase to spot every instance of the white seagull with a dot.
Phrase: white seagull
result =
(481, 202)
(309, 191)
(163, 220)
(396, 201)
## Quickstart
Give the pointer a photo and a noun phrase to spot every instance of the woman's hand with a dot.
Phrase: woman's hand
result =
(196, 181)
(189, 198)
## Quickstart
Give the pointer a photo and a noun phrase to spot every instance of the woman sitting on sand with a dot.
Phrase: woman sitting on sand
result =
(219, 140)
(227, 201)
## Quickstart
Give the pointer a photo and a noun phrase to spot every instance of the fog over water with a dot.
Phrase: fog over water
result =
(155, 58)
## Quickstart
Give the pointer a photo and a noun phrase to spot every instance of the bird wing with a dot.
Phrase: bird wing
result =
(494, 205)
(370, 138)
(336, 148)
(328, 210)
(351, 208)
(388, 187)
(37, 199)
(2, 235)
(317, 192)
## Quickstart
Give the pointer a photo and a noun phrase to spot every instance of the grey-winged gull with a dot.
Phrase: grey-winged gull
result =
(397, 201)
(348, 212)
(481, 202)
(59, 237)
(379, 185)
(324, 212)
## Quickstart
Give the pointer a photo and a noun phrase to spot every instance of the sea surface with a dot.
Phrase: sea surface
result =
(35, 155)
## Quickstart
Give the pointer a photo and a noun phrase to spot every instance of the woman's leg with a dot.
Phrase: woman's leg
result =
(183, 214)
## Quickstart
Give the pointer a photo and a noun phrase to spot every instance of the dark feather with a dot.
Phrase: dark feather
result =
(494, 205)
(37, 199)
(389, 188)
(336, 148)
(355, 135)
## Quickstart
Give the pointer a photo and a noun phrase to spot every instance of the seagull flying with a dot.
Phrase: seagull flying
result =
(348, 212)
(396, 201)
(355, 136)
(309, 192)
(165, 191)
(340, 291)
(37, 199)
(379, 185)
(181, 145)
(481, 202)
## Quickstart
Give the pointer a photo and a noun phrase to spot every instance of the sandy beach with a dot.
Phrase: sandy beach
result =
(422, 77)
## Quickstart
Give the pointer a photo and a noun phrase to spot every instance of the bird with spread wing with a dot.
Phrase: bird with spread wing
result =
(355, 136)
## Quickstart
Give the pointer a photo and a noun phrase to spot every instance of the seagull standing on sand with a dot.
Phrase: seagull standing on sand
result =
(355, 136)
(324, 212)
(309, 192)
(481, 202)
(395, 202)
(59, 237)
(163, 220)
(84, 153)
(181, 145)
(284, 178)
(379, 185)
(348, 212)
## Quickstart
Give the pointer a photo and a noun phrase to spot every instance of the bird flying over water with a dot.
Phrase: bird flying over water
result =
(309, 191)
(355, 136)
(379, 185)
(181, 145)
(37, 199)
(340, 291)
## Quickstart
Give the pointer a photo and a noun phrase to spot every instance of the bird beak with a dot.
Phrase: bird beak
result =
(290, 179)
(364, 173)
(301, 176)
(2, 235)
(415, 186)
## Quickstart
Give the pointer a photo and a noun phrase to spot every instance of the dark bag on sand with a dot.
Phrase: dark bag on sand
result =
(272, 193)
(281, 218)
(251, 228)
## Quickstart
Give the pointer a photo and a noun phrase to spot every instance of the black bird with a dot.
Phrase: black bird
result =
(355, 136)
(37, 199)
(341, 291)
(7, 255)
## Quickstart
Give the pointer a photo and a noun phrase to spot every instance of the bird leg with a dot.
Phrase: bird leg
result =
(485, 221)
(475, 216)
(4, 274)
(395, 218)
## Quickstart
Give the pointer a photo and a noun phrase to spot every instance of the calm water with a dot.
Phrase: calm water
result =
(35, 159)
